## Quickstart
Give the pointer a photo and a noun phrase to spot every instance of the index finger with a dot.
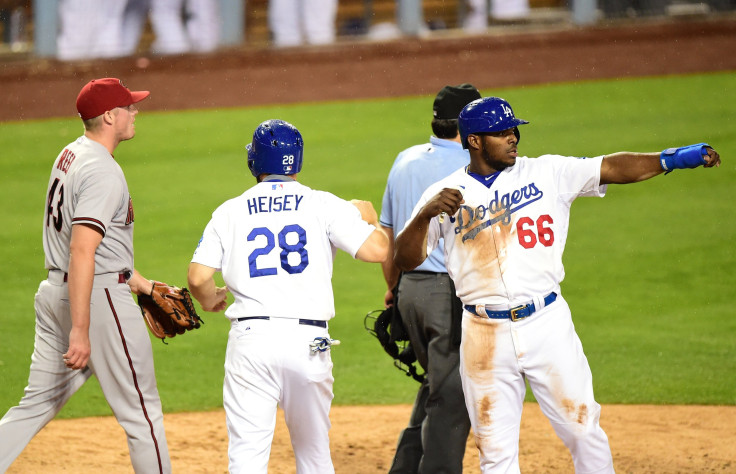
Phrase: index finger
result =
(454, 193)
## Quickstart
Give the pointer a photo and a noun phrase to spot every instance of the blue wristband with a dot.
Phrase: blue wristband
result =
(683, 157)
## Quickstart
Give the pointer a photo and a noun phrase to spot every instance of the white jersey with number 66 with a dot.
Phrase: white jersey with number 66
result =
(505, 244)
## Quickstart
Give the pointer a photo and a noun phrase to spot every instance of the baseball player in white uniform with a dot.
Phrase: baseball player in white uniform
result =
(297, 22)
(504, 221)
(90, 29)
(181, 26)
(275, 246)
(87, 323)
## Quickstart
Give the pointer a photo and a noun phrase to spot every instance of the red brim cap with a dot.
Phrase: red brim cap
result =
(100, 95)
(139, 95)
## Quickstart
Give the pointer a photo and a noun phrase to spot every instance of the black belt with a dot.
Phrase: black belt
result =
(122, 277)
(514, 314)
(306, 322)
(424, 272)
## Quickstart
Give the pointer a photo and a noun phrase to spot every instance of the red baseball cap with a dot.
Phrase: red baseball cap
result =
(100, 95)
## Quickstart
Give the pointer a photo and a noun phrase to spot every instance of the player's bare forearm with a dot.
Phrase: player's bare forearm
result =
(410, 247)
(140, 285)
(80, 280)
(81, 276)
(84, 242)
(411, 243)
(200, 279)
(390, 272)
(625, 167)
(375, 247)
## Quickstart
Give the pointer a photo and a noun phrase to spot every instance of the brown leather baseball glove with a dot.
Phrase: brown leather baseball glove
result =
(168, 311)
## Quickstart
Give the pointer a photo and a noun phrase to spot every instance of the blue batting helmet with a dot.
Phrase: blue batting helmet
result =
(489, 114)
(277, 148)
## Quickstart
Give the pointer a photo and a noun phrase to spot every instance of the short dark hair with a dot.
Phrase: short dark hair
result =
(444, 128)
(92, 124)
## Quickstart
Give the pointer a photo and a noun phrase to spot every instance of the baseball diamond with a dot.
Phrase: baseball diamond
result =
(363, 438)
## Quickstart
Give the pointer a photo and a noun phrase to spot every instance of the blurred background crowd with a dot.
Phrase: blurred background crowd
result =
(71, 30)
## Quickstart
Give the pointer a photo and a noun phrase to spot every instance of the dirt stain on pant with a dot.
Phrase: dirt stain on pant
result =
(479, 347)
(578, 413)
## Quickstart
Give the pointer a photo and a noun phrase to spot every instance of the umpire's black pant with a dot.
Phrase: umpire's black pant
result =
(434, 441)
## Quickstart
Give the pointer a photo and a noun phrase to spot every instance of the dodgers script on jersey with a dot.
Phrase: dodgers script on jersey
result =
(505, 244)
(87, 186)
(277, 269)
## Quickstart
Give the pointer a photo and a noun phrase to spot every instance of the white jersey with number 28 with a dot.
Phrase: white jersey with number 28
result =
(275, 245)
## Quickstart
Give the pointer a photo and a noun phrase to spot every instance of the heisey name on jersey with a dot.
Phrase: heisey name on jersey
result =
(287, 202)
(500, 208)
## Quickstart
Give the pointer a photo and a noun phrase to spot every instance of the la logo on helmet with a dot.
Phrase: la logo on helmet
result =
(507, 111)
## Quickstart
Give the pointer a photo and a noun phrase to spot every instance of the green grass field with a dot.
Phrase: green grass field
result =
(650, 268)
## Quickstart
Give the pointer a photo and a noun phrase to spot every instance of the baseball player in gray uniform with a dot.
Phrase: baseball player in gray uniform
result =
(275, 246)
(87, 322)
(504, 221)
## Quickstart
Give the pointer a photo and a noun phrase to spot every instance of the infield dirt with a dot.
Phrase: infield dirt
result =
(644, 439)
